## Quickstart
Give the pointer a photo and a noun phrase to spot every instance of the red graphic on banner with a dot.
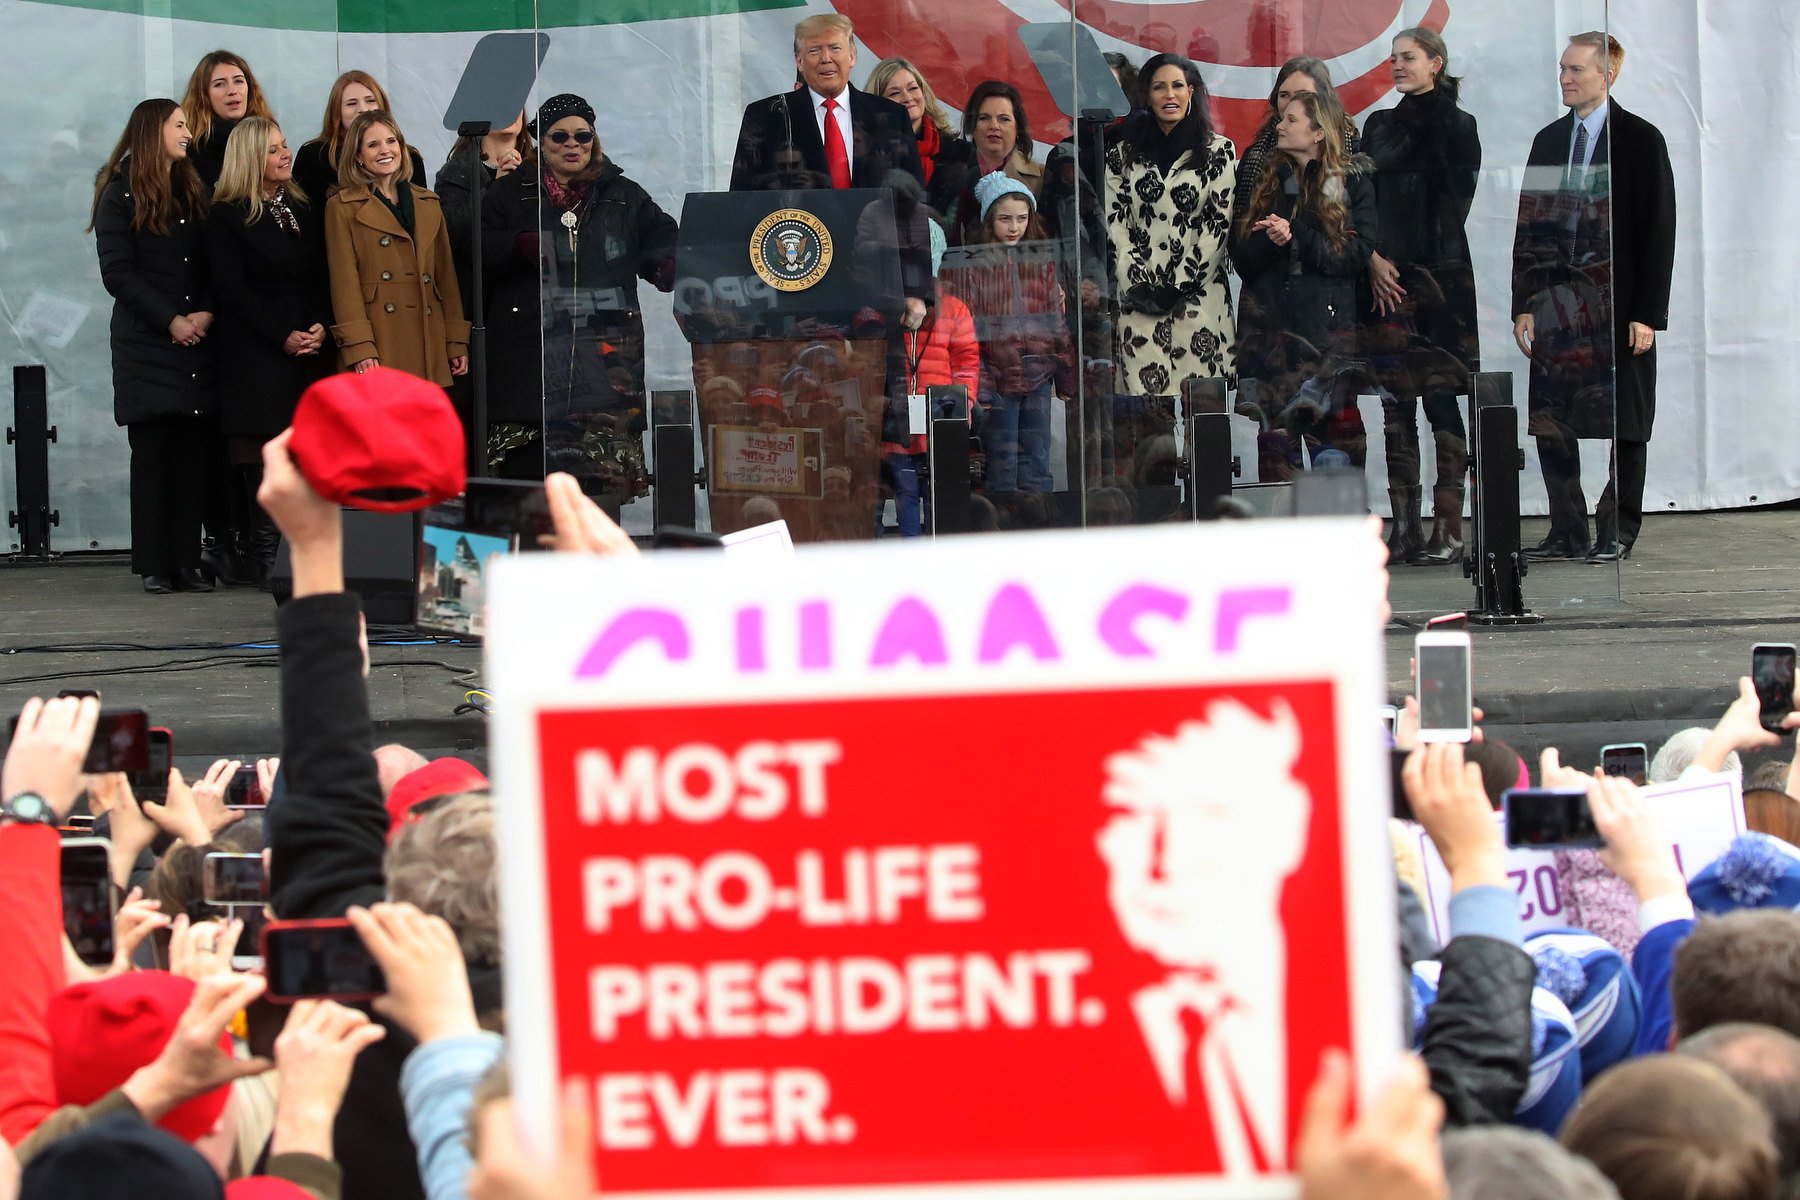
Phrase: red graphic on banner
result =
(1063, 935)
(959, 45)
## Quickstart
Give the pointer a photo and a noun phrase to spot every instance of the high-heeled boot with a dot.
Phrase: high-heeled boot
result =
(1446, 545)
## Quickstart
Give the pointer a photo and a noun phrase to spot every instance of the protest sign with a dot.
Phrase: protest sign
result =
(1701, 816)
(1050, 860)
(767, 461)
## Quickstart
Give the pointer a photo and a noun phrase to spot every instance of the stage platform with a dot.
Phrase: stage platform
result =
(1698, 592)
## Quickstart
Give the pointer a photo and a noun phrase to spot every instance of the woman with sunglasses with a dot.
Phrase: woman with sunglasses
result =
(565, 245)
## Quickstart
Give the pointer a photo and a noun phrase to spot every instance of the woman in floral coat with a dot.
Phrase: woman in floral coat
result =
(1169, 182)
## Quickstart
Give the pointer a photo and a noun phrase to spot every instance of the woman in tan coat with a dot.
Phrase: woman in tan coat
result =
(393, 285)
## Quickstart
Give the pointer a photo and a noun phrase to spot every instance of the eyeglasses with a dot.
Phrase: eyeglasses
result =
(580, 137)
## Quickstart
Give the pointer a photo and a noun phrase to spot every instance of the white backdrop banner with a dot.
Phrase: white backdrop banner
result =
(669, 81)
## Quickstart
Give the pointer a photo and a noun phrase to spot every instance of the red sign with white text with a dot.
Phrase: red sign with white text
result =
(1090, 935)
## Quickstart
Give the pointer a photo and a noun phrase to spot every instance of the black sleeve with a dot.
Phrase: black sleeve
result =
(116, 242)
(1656, 264)
(1464, 166)
(747, 159)
(1477, 1037)
(328, 833)
(225, 257)
(1253, 253)
(1315, 248)
(457, 199)
(500, 230)
(1526, 236)
(657, 233)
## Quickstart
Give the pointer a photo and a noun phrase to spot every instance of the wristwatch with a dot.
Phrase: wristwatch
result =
(27, 808)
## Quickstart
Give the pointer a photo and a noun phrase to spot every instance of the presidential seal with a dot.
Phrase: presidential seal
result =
(790, 250)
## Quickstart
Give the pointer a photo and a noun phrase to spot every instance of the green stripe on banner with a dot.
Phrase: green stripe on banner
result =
(424, 16)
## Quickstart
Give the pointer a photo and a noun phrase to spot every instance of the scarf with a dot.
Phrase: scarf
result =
(930, 142)
(284, 216)
(564, 196)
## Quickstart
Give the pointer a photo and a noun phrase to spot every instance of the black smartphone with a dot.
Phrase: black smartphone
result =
(121, 741)
(1396, 770)
(233, 879)
(514, 508)
(77, 694)
(87, 899)
(1628, 760)
(453, 563)
(306, 960)
(245, 790)
(152, 783)
(680, 537)
(1550, 818)
(1772, 670)
(1330, 492)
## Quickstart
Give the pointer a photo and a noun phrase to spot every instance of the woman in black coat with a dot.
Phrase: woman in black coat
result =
(566, 380)
(266, 245)
(221, 92)
(1427, 155)
(149, 221)
(1301, 247)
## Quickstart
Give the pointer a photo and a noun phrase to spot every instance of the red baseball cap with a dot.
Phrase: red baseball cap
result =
(384, 440)
(439, 777)
(103, 1031)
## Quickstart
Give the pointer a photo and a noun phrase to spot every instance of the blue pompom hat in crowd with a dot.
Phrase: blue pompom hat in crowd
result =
(1592, 979)
(994, 185)
(1756, 871)
(1555, 1082)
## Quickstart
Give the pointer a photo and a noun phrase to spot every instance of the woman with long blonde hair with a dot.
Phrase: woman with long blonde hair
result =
(316, 162)
(1301, 245)
(266, 241)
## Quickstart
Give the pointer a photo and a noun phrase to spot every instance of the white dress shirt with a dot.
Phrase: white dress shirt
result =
(843, 119)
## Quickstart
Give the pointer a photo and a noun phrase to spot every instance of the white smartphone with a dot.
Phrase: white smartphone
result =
(1443, 681)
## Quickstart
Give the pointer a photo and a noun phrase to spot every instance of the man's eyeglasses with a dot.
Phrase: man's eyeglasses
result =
(580, 137)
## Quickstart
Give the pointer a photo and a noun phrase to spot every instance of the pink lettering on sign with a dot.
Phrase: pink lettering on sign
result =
(910, 631)
(1118, 624)
(1014, 619)
(1238, 605)
(627, 630)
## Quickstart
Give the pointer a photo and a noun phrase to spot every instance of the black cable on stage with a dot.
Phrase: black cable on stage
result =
(459, 675)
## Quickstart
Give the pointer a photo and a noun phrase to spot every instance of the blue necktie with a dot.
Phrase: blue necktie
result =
(1575, 184)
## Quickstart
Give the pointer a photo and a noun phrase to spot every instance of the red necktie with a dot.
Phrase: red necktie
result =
(837, 160)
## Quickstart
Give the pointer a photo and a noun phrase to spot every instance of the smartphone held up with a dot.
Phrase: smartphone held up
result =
(1772, 671)
(1444, 683)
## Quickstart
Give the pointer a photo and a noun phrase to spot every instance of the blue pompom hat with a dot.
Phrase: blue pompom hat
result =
(1589, 975)
(1756, 871)
(994, 185)
(1555, 1082)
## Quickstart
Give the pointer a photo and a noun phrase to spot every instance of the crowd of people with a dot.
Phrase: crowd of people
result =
(242, 270)
(1649, 1051)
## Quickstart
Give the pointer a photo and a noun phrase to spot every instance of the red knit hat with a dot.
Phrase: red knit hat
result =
(265, 1187)
(439, 777)
(101, 1032)
(383, 440)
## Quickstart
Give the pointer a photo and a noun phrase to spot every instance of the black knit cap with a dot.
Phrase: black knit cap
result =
(120, 1158)
(567, 104)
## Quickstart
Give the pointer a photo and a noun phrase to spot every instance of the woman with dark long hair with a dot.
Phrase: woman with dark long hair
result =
(1169, 177)
(266, 240)
(1427, 154)
(149, 225)
(997, 130)
(221, 92)
(316, 163)
(1301, 247)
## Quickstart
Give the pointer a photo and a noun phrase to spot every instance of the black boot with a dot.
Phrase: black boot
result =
(221, 559)
(1406, 538)
(1446, 545)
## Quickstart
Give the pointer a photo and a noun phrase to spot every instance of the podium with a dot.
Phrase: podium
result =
(791, 304)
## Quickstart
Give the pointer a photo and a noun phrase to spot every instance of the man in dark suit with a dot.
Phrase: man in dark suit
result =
(827, 134)
(1592, 260)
